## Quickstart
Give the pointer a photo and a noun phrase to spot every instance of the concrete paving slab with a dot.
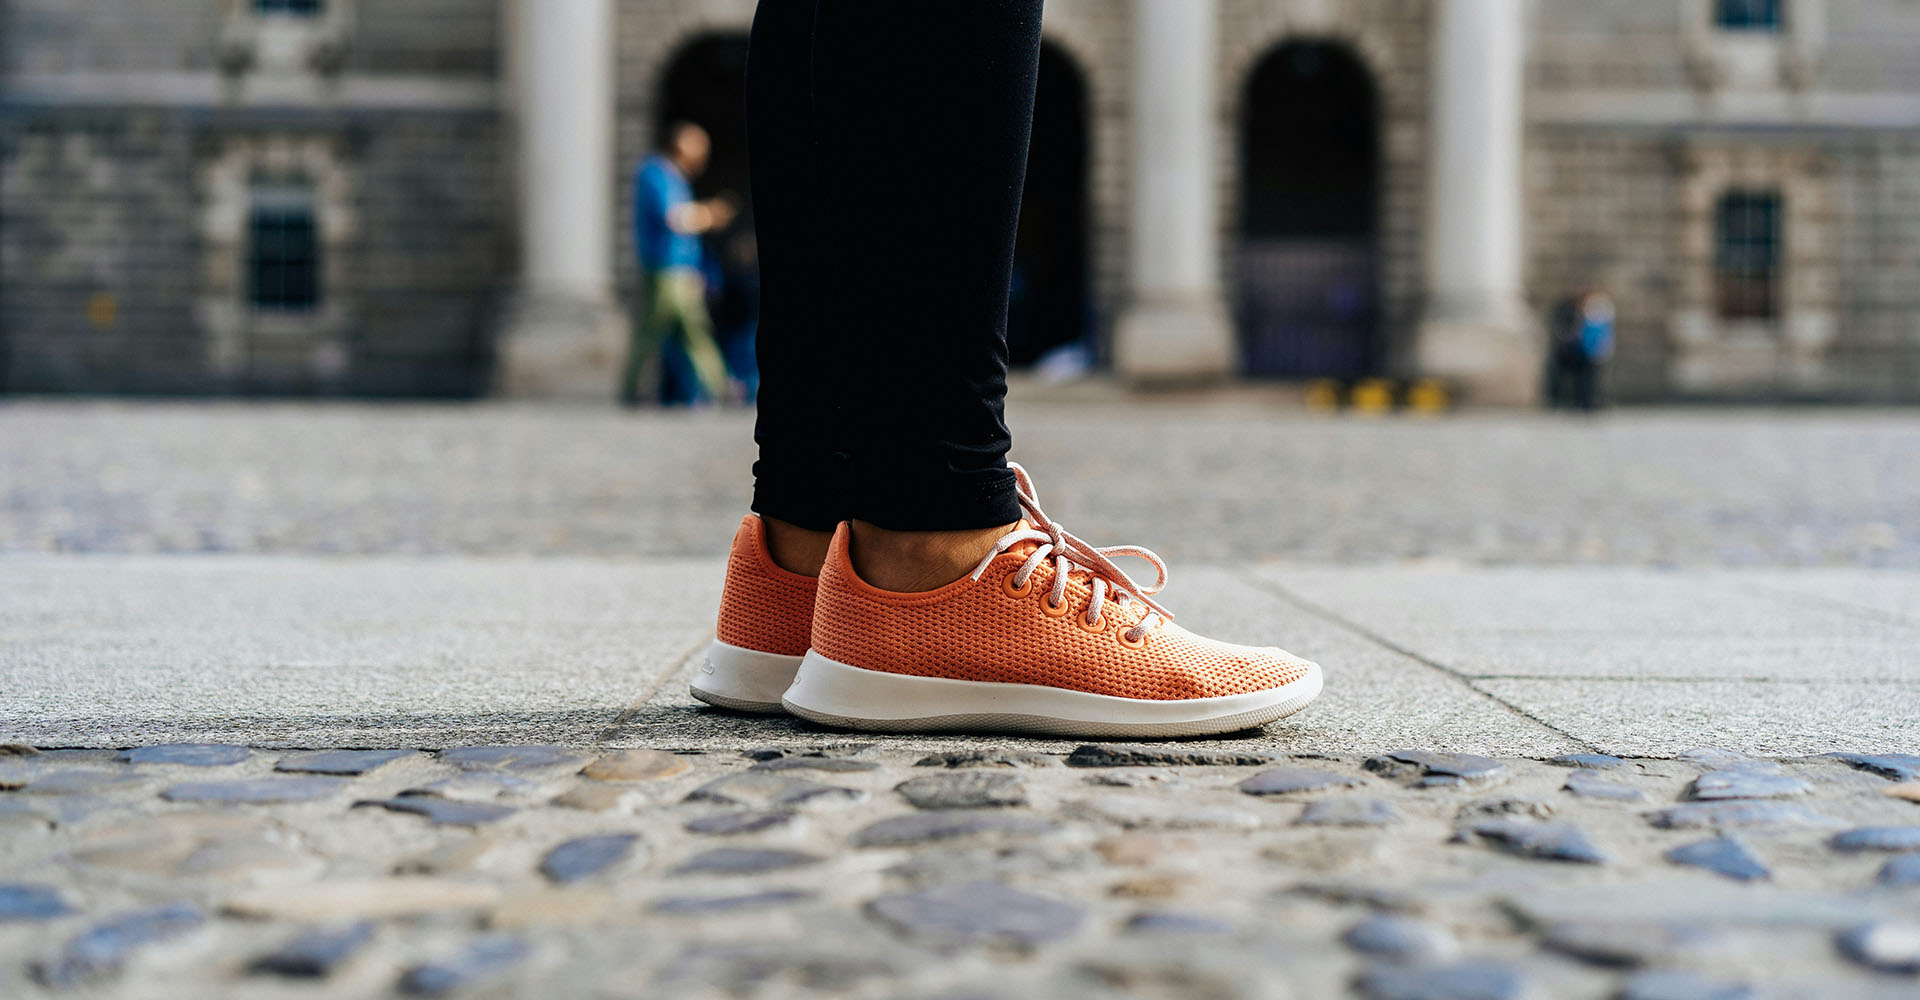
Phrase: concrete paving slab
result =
(389, 651)
(1639, 717)
(1611, 622)
(328, 652)
(1892, 594)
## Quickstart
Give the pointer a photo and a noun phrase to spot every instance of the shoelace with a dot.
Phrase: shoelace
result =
(1070, 553)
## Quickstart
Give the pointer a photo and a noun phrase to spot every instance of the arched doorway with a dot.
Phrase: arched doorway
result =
(1307, 269)
(1048, 306)
(705, 83)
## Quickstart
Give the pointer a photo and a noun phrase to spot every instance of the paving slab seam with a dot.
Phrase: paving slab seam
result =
(1879, 615)
(1277, 590)
(639, 704)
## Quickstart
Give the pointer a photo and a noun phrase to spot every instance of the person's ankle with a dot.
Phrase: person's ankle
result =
(796, 549)
(912, 562)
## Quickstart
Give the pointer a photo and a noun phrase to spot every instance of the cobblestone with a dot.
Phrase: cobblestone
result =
(343, 762)
(315, 954)
(1281, 780)
(103, 950)
(964, 790)
(1350, 810)
(444, 812)
(483, 959)
(1900, 870)
(255, 790)
(1730, 815)
(1745, 783)
(189, 754)
(1427, 769)
(1551, 841)
(1728, 856)
(587, 856)
(1878, 838)
(848, 891)
(1402, 939)
(1887, 946)
(1676, 984)
(1594, 785)
(31, 902)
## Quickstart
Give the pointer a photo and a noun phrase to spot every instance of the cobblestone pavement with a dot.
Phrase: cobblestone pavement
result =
(812, 867)
(1235, 478)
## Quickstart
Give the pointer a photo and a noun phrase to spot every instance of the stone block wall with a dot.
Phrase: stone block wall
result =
(127, 155)
(1640, 115)
(97, 246)
(114, 275)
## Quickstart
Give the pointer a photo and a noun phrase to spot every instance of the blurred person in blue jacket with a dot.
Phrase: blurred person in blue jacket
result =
(673, 318)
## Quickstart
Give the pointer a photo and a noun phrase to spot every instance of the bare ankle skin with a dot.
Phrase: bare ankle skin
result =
(911, 562)
(796, 549)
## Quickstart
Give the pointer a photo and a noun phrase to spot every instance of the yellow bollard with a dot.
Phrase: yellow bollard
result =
(1372, 396)
(1323, 395)
(1428, 396)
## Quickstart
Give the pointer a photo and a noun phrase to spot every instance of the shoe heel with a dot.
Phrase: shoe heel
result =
(744, 680)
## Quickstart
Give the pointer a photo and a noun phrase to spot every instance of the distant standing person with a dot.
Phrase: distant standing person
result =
(1595, 346)
(672, 312)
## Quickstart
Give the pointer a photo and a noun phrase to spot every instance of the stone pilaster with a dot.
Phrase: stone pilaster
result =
(1175, 327)
(563, 335)
(1476, 331)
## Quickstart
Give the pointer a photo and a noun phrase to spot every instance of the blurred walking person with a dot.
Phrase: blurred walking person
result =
(672, 321)
(897, 573)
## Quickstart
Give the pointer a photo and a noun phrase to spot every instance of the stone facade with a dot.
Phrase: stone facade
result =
(129, 141)
(131, 145)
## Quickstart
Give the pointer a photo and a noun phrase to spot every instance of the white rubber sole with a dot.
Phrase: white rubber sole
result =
(836, 694)
(745, 680)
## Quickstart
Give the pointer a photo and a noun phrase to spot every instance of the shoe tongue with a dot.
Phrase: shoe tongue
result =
(1023, 549)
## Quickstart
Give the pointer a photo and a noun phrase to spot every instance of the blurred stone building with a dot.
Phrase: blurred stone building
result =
(428, 197)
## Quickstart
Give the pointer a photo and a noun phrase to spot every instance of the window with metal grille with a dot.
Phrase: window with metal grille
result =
(1746, 241)
(297, 8)
(1747, 15)
(283, 249)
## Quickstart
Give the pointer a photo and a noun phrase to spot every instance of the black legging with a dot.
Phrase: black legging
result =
(888, 147)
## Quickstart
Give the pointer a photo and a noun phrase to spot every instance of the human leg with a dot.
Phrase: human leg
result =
(923, 112)
(766, 606)
(798, 479)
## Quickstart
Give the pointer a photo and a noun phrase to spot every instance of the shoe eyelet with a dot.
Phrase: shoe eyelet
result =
(1121, 634)
(1087, 625)
(1008, 587)
(1053, 611)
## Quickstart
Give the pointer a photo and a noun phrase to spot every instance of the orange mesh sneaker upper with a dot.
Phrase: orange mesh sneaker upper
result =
(989, 630)
(763, 607)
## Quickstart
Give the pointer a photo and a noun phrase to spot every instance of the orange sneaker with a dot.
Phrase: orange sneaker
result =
(1046, 635)
(766, 616)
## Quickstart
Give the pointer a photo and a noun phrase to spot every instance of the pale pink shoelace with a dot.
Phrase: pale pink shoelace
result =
(1070, 554)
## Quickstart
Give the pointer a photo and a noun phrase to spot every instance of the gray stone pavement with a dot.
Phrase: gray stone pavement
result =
(1236, 477)
(316, 652)
(1721, 602)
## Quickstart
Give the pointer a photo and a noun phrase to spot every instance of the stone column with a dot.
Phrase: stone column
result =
(564, 334)
(1175, 327)
(1476, 331)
